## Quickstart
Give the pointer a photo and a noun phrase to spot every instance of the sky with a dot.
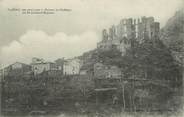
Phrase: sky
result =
(68, 33)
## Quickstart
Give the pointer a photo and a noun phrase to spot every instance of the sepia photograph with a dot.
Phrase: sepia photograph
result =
(91, 58)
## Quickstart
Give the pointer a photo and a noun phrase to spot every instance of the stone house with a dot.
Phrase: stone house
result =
(39, 68)
(16, 69)
(106, 71)
(72, 66)
(87, 69)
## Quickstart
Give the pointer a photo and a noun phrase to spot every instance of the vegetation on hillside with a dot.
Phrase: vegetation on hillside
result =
(172, 35)
(150, 59)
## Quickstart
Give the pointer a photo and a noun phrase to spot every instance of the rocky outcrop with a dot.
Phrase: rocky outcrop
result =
(172, 35)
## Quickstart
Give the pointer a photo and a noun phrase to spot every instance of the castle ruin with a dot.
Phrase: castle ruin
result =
(120, 35)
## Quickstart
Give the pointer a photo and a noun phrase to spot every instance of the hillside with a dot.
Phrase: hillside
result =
(172, 34)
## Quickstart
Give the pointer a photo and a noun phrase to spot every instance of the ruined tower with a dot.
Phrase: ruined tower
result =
(104, 34)
(112, 32)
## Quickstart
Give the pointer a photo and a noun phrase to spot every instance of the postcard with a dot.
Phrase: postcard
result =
(91, 58)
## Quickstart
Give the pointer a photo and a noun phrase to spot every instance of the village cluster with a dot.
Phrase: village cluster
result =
(60, 67)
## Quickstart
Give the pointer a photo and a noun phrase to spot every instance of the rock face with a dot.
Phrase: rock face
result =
(173, 35)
